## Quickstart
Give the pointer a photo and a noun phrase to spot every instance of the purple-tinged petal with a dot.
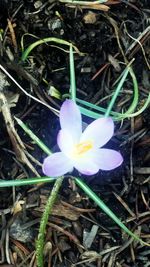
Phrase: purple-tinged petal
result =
(99, 131)
(86, 166)
(70, 119)
(57, 164)
(106, 159)
(65, 141)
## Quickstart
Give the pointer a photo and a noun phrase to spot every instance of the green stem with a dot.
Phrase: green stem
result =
(44, 41)
(47, 211)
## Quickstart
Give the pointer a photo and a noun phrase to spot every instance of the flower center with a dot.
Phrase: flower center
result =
(82, 148)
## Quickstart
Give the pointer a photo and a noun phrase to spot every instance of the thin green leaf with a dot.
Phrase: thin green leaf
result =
(147, 102)
(135, 94)
(100, 109)
(72, 76)
(34, 137)
(90, 113)
(116, 93)
(36, 180)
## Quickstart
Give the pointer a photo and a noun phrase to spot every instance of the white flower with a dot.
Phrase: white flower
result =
(81, 150)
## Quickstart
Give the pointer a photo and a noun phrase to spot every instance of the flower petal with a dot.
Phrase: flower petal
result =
(106, 159)
(70, 119)
(99, 131)
(65, 141)
(57, 164)
(86, 166)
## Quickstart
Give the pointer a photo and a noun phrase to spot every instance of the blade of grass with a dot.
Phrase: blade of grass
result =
(72, 76)
(90, 113)
(116, 93)
(135, 95)
(100, 109)
(36, 180)
(147, 102)
(34, 137)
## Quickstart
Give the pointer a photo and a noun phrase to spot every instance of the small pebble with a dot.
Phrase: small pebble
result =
(18, 233)
(54, 24)
(37, 4)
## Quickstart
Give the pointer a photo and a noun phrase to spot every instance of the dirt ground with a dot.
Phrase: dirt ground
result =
(78, 233)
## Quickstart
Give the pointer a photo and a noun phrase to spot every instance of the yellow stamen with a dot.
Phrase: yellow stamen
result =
(81, 148)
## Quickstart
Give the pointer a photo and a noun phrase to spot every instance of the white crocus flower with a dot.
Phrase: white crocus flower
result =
(82, 151)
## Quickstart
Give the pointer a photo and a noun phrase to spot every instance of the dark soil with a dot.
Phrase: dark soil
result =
(126, 189)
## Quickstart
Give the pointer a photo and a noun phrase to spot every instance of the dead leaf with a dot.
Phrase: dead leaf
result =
(3, 81)
(12, 100)
(94, 7)
(114, 62)
(17, 207)
(59, 210)
(90, 18)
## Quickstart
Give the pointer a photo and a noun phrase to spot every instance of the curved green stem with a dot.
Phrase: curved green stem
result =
(47, 40)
